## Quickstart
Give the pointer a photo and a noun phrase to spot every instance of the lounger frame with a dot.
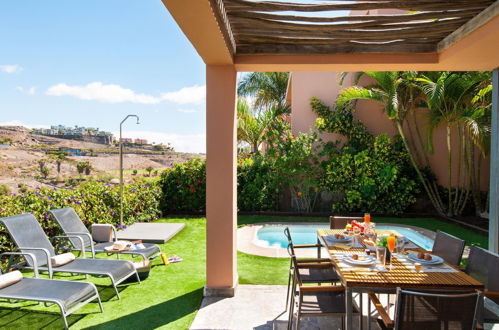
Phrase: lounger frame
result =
(64, 312)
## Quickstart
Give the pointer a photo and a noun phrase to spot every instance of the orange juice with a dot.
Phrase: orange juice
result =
(367, 218)
(391, 240)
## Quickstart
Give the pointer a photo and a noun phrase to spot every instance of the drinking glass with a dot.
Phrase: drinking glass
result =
(391, 241)
(400, 245)
(381, 256)
(367, 217)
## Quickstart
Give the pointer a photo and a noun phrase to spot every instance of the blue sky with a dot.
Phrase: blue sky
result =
(92, 62)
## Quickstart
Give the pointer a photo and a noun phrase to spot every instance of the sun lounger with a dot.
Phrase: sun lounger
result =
(72, 225)
(29, 237)
(68, 295)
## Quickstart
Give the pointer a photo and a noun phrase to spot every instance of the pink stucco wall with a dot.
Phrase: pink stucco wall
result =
(325, 86)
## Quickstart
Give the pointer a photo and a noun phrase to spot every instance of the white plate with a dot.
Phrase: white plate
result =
(331, 238)
(370, 260)
(435, 260)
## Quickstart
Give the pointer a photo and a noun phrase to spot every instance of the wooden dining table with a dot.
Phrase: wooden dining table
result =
(370, 279)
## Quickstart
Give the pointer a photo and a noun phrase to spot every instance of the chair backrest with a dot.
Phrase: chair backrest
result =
(296, 273)
(483, 266)
(26, 233)
(291, 249)
(448, 247)
(339, 222)
(70, 222)
(420, 310)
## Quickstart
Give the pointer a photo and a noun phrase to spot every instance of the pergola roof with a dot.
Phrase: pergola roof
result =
(342, 35)
(279, 27)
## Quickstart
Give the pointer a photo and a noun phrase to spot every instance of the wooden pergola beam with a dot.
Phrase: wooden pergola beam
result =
(476, 22)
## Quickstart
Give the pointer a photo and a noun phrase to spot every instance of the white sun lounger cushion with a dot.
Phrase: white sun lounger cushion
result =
(102, 232)
(10, 278)
(62, 259)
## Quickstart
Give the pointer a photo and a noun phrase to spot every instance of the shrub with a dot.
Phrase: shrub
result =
(257, 185)
(83, 167)
(94, 203)
(184, 187)
(371, 173)
(4, 189)
(22, 187)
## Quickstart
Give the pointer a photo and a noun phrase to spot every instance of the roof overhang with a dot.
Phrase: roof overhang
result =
(468, 46)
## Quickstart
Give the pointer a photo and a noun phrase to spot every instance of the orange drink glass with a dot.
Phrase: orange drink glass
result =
(367, 217)
(391, 241)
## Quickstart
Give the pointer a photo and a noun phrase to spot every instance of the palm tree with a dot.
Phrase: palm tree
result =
(398, 94)
(251, 126)
(449, 97)
(268, 89)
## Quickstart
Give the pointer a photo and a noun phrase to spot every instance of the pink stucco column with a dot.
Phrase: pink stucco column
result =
(221, 181)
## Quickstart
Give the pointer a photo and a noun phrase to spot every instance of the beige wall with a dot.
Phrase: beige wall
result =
(325, 86)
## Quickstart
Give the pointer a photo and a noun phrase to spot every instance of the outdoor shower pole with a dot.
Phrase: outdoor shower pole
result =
(121, 166)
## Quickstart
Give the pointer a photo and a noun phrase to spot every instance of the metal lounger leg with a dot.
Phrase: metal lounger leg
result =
(138, 277)
(63, 314)
(100, 303)
(115, 288)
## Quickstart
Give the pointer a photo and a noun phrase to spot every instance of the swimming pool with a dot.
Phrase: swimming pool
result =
(273, 235)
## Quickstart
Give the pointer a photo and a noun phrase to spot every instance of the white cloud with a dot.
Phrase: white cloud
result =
(187, 110)
(16, 122)
(181, 142)
(187, 95)
(97, 91)
(30, 91)
(10, 68)
(111, 93)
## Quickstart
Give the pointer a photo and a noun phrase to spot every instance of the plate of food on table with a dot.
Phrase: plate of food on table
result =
(425, 258)
(338, 238)
(360, 259)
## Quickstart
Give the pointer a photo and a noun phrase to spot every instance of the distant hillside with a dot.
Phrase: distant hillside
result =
(20, 152)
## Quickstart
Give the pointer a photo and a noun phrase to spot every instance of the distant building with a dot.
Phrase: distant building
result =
(126, 140)
(140, 141)
(89, 134)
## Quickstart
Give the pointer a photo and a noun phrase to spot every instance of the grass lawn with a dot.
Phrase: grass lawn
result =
(170, 297)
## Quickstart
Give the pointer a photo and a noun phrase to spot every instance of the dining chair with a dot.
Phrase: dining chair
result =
(430, 310)
(313, 270)
(449, 247)
(483, 265)
(339, 222)
(317, 301)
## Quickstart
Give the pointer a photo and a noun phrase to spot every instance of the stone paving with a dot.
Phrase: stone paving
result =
(261, 307)
(255, 307)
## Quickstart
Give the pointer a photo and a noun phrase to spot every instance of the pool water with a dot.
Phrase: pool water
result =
(273, 235)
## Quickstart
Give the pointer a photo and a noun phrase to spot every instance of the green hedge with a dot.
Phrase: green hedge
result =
(94, 203)
(184, 186)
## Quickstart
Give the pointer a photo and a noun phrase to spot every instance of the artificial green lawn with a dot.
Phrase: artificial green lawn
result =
(170, 297)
